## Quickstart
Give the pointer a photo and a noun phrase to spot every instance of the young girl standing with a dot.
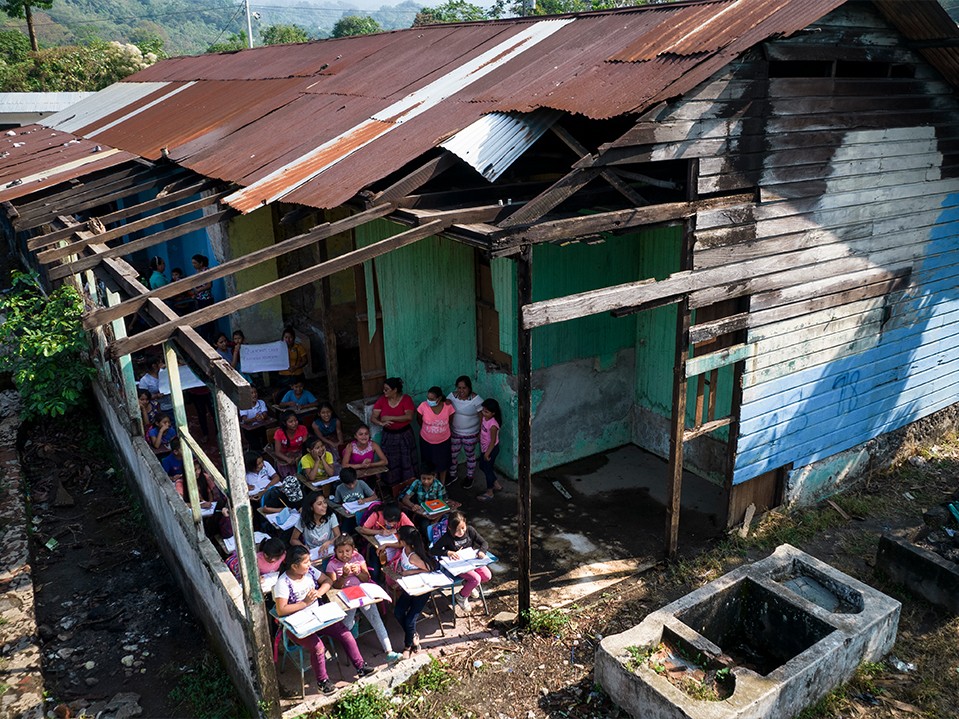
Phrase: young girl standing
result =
(460, 536)
(413, 559)
(348, 569)
(300, 586)
(489, 446)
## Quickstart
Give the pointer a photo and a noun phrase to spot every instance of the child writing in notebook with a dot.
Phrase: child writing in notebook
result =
(459, 536)
(297, 588)
(348, 569)
(413, 559)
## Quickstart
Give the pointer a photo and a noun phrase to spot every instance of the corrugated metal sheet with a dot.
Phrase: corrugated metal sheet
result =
(280, 120)
(39, 101)
(926, 20)
(495, 141)
(112, 99)
(34, 158)
(301, 171)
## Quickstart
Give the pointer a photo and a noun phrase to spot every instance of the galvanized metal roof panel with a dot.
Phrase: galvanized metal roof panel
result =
(495, 141)
(33, 158)
(39, 101)
(927, 20)
(106, 102)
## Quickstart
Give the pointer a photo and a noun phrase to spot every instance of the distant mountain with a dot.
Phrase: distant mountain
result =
(190, 26)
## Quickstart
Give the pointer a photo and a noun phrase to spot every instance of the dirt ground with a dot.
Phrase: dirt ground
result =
(532, 676)
(110, 619)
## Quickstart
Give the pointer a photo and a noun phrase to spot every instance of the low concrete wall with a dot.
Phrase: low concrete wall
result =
(922, 572)
(809, 484)
(209, 588)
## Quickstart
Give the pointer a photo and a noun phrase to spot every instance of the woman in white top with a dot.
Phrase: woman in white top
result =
(296, 589)
(465, 427)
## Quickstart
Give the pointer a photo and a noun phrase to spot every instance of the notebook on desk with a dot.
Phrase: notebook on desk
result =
(362, 594)
(435, 506)
(314, 618)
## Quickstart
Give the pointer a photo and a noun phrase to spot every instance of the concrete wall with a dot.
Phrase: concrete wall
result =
(209, 588)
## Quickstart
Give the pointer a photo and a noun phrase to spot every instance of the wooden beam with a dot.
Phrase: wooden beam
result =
(640, 294)
(518, 192)
(75, 205)
(75, 247)
(706, 427)
(461, 216)
(717, 328)
(413, 181)
(78, 187)
(677, 425)
(524, 422)
(720, 358)
(574, 227)
(554, 195)
(128, 248)
(320, 232)
(611, 177)
(188, 339)
(155, 335)
(41, 241)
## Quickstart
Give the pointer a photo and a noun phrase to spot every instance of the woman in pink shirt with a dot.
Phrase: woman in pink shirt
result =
(435, 437)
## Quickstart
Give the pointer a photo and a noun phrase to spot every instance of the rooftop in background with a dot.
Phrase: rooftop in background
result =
(24, 108)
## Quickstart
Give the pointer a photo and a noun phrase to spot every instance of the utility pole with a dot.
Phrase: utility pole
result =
(249, 25)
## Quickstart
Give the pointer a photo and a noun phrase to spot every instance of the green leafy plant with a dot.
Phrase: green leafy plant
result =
(368, 702)
(45, 346)
(638, 656)
(546, 622)
(205, 690)
(433, 677)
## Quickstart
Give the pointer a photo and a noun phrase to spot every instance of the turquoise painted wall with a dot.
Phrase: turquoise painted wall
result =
(427, 294)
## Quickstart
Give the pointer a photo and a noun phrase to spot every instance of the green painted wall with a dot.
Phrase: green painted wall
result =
(427, 295)
(263, 322)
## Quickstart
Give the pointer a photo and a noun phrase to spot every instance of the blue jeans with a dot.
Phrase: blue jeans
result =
(487, 467)
(407, 611)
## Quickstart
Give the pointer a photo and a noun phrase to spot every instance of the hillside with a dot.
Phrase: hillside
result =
(190, 26)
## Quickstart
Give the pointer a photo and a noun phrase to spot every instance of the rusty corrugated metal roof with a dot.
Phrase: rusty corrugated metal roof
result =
(315, 123)
(34, 158)
(925, 23)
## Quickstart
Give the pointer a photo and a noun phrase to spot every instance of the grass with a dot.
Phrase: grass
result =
(204, 689)
(546, 622)
(367, 702)
(434, 677)
(638, 656)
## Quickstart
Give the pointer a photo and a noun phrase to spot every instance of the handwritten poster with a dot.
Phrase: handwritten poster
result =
(264, 357)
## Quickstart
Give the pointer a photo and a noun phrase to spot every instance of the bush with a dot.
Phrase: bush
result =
(367, 702)
(546, 622)
(44, 346)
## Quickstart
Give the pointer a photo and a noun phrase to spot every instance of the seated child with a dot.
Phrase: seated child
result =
(384, 522)
(161, 433)
(348, 569)
(351, 489)
(421, 490)
(298, 397)
(460, 536)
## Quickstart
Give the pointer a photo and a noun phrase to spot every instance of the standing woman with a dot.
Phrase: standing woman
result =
(434, 415)
(157, 268)
(394, 412)
(465, 427)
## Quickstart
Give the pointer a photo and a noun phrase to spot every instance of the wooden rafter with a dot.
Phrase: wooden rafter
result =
(615, 181)
(76, 204)
(320, 232)
(414, 180)
(554, 195)
(91, 261)
(505, 241)
(154, 335)
(41, 241)
(77, 187)
(81, 241)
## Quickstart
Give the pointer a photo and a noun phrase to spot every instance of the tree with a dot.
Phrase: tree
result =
(47, 349)
(284, 34)
(74, 68)
(355, 25)
(450, 11)
(14, 46)
(233, 43)
(507, 8)
(24, 9)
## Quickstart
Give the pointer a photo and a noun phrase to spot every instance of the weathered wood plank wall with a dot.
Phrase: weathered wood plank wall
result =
(855, 176)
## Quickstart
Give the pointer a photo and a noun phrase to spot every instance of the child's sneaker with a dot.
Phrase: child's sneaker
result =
(327, 687)
(468, 483)
(365, 671)
(475, 594)
(463, 602)
(393, 657)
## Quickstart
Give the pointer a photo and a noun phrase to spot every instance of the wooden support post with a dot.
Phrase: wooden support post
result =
(257, 627)
(524, 422)
(329, 334)
(183, 432)
(677, 425)
(129, 383)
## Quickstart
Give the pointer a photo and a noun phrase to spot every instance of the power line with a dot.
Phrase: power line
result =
(239, 9)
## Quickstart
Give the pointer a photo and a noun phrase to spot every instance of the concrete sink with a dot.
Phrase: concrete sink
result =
(781, 632)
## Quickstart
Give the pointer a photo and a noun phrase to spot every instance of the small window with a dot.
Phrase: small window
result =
(847, 68)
